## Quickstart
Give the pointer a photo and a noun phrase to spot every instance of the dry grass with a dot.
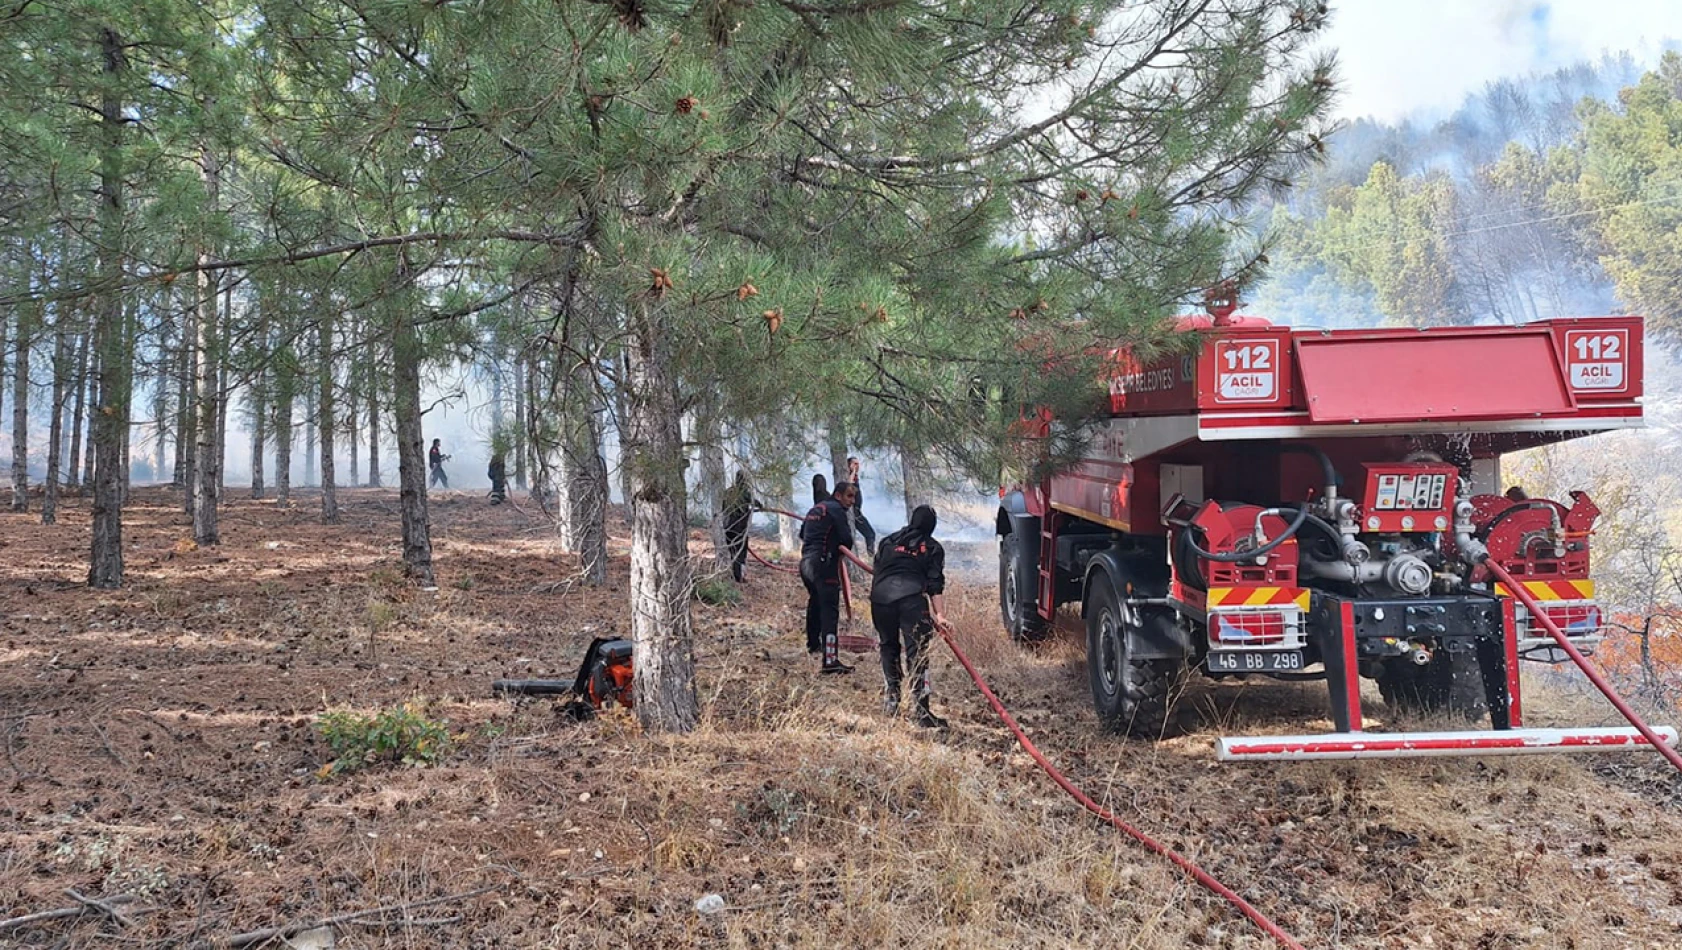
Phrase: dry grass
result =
(157, 741)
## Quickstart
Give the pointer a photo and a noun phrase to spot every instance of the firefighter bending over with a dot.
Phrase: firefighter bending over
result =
(822, 538)
(910, 575)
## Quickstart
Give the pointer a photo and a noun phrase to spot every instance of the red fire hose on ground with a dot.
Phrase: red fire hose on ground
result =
(1181, 861)
(1518, 590)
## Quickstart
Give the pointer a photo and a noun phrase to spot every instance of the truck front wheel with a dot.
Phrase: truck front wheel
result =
(1130, 695)
(1018, 590)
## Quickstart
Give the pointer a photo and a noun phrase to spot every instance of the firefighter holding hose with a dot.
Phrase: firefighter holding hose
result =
(823, 537)
(910, 578)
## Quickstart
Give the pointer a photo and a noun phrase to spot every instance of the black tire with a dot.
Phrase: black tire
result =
(1451, 683)
(1018, 589)
(1129, 695)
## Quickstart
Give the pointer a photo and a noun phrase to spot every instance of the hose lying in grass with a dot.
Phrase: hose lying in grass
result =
(1181, 861)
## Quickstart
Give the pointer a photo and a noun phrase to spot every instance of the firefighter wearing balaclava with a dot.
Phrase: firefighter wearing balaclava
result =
(825, 538)
(910, 579)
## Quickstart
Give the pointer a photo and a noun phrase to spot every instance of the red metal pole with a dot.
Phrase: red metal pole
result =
(1518, 590)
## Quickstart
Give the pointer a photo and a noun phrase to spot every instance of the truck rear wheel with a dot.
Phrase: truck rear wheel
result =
(1018, 590)
(1130, 695)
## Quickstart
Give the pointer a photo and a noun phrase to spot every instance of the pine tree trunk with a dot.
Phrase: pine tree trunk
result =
(285, 376)
(309, 436)
(499, 408)
(259, 430)
(324, 419)
(160, 412)
(520, 440)
(222, 390)
(55, 425)
(661, 631)
(87, 396)
(4, 339)
(373, 426)
(583, 487)
(105, 567)
(20, 408)
(187, 433)
(621, 423)
(411, 451)
(183, 407)
(709, 433)
(352, 442)
(207, 373)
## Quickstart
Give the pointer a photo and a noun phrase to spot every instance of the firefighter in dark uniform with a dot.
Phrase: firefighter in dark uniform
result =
(498, 472)
(823, 536)
(910, 578)
(739, 507)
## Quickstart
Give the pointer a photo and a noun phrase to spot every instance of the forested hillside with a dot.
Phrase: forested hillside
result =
(1549, 195)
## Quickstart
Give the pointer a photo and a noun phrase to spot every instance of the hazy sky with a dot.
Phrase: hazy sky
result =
(1401, 56)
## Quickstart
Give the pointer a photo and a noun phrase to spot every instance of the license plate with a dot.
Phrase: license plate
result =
(1254, 661)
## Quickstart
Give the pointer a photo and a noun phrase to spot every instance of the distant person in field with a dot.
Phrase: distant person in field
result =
(823, 538)
(820, 489)
(860, 522)
(498, 473)
(910, 579)
(436, 458)
(739, 507)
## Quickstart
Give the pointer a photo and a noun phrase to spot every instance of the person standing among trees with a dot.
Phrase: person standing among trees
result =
(824, 537)
(820, 489)
(498, 473)
(437, 458)
(739, 506)
(910, 578)
(860, 522)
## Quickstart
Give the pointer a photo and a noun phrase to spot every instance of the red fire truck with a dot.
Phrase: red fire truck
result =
(1313, 504)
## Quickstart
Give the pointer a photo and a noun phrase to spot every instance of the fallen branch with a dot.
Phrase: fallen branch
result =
(103, 906)
(255, 937)
(18, 923)
(411, 922)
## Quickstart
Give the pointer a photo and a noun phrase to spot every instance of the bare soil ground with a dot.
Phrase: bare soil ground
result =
(159, 742)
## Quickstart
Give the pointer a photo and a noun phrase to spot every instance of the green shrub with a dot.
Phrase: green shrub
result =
(717, 592)
(401, 734)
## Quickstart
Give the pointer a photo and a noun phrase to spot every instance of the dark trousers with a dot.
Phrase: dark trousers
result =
(904, 623)
(438, 476)
(736, 540)
(823, 612)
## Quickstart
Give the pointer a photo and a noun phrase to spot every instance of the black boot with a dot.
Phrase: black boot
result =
(925, 717)
(832, 658)
(890, 681)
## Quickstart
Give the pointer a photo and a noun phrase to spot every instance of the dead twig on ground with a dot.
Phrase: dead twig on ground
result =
(103, 906)
(11, 752)
(257, 937)
(28, 920)
(105, 742)
(411, 922)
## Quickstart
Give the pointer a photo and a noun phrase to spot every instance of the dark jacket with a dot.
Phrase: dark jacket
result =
(823, 534)
(908, 563)
(739, 507)
(498, 471)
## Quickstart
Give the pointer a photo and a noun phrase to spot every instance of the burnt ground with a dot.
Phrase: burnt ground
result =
(159, 744)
